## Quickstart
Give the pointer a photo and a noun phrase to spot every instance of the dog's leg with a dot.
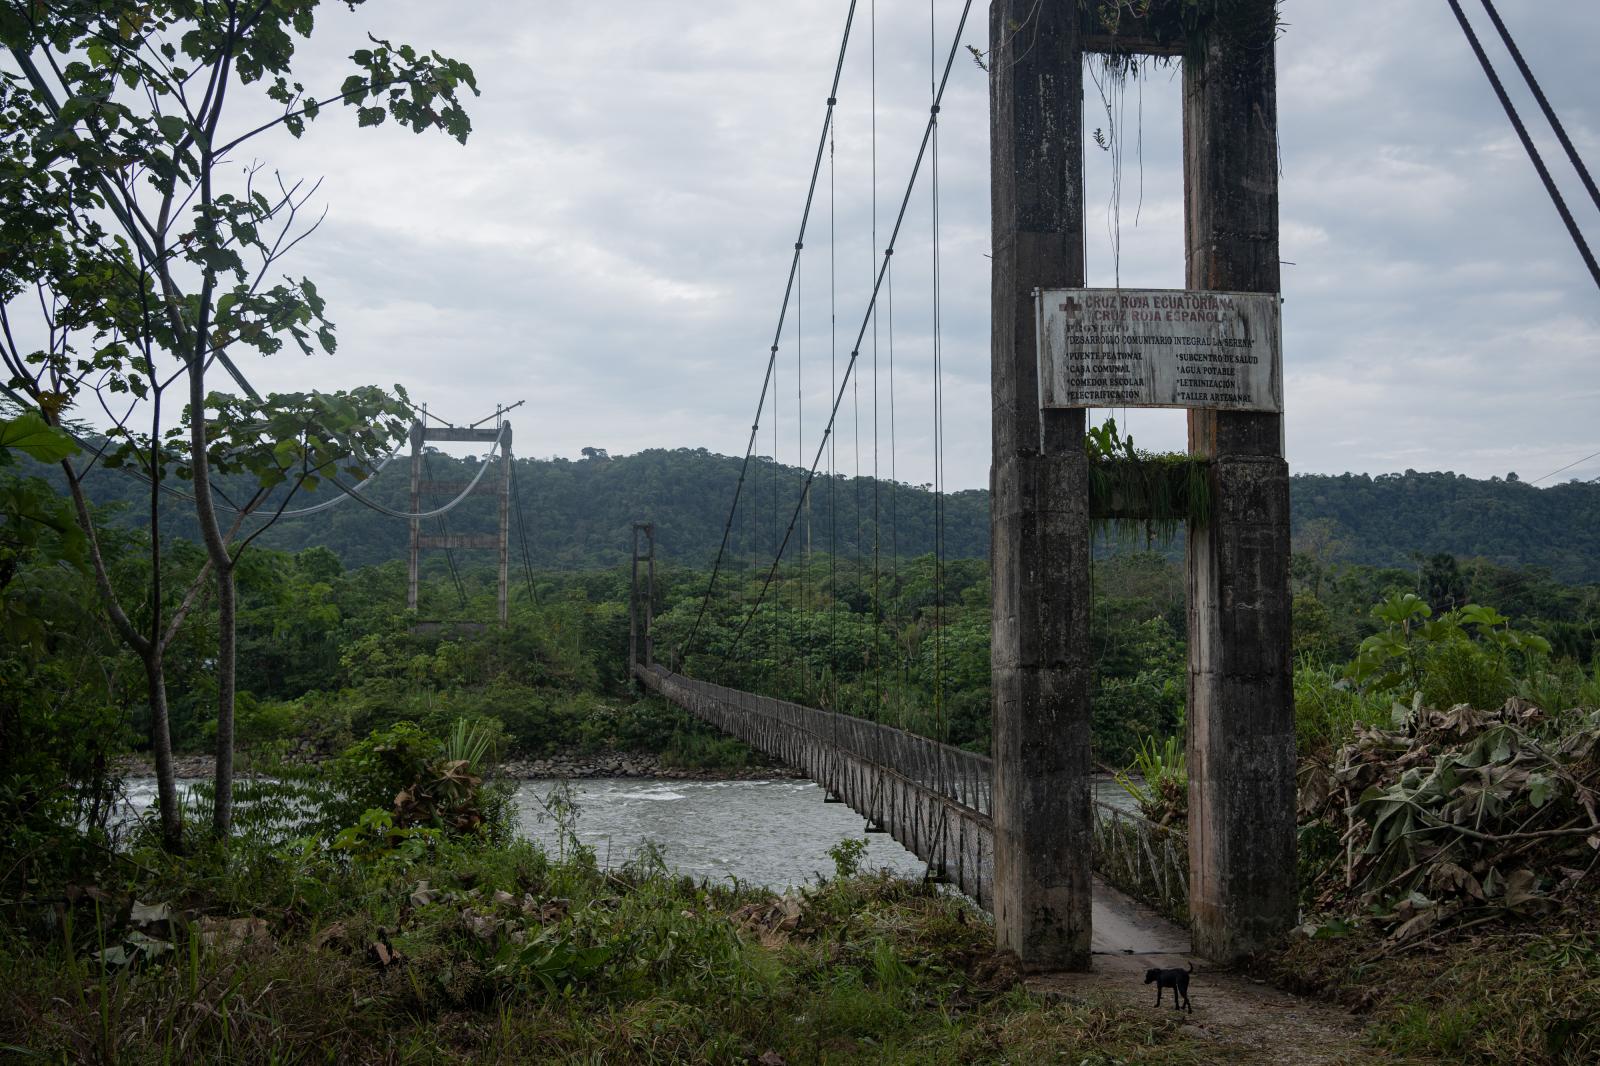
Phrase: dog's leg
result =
(1158, 993)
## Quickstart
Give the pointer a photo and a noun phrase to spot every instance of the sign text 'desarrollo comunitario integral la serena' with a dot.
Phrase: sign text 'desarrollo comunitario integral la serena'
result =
(1160, 348)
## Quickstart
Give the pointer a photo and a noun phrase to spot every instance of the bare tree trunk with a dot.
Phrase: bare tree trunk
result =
(152, 652)
(222, 816)
(216, 543)
(161, 745)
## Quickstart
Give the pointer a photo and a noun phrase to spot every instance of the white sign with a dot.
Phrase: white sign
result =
(1160, 348)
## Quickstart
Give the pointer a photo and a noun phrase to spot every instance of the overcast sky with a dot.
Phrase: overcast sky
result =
(611, 245)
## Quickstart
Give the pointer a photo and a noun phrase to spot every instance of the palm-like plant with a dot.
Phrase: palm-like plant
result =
(1161, 787)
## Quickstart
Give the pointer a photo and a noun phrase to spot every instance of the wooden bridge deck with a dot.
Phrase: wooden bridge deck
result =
(931, 798)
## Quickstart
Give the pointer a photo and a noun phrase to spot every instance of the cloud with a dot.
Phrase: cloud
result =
(613, 242)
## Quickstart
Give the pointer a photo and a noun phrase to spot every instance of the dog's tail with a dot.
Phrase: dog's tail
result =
(1191, 966)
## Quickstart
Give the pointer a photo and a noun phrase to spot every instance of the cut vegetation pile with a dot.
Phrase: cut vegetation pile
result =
(1457, 817)
(1451, 865)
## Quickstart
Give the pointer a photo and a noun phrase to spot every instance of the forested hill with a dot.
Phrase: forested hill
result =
(1388, 519)
(578, 513)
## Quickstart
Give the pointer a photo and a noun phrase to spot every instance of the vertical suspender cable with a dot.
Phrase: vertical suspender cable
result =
(941, 726)
(800, 458)
(833, 446)
(902, 672)
(866, 319)
(522, 536)
(444, 531)
(805, 216)
(877, 485)
(771, 641)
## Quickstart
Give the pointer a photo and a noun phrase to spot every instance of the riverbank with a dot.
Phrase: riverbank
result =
(572, 765)
(474, 953)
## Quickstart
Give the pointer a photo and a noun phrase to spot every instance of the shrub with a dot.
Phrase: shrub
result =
(372, 771)
(847, 856)
(1161, 787)
(1467, 655)
(422, 781)
(1327, 708)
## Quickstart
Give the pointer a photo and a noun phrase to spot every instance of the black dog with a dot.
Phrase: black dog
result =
(1175, 979)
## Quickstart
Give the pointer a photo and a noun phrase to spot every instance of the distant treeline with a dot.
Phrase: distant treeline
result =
(578, 513)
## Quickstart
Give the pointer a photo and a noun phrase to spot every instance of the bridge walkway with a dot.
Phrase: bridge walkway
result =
(930, 797)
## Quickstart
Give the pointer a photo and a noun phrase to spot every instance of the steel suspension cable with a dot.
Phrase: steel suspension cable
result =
(938, 419)
(226, 503)
(435, 512)
(325, 505)
(1544, 103)
(855, 351)
(1569, 466)
(1527, 142)
(794, 266)
(877, 486)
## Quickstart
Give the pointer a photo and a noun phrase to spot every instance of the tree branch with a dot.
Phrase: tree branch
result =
(102, 577)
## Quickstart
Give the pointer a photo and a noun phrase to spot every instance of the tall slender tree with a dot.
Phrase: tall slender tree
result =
(132, 262)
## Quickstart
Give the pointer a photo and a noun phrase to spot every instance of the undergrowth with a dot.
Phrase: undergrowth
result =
(1518, 995)
(476, 952)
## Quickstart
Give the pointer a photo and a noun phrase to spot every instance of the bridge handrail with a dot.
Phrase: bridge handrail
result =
(1146, 860)
(963, 776)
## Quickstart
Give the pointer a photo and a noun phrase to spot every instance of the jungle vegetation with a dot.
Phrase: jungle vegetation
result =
(578, 512)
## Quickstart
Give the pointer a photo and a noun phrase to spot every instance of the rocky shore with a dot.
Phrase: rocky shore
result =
(571, 765)
(635, 764)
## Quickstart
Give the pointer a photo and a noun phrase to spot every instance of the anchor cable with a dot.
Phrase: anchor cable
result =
(1527, 143)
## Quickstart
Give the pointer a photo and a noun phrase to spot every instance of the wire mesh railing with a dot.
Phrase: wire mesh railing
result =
(1149, 862)
(957, 774)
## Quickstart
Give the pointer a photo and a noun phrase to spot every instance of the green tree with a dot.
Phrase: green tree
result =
(58, 676)
(152, 266)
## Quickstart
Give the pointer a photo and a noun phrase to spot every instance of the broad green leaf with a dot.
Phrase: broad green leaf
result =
(30, 434)
(1542, 788)
(172, 127)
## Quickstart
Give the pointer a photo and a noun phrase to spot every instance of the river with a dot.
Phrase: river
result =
(773, 833)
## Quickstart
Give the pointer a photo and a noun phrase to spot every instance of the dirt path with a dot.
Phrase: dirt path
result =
(1248, 1020)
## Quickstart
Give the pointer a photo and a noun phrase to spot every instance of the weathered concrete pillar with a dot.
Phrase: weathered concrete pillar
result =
(648, 621)
(1241, 710)
(414, 541)
(634, 659)
(503, 603)
(1039, 486)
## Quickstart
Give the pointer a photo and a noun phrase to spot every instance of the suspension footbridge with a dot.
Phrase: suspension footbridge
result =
(1019, 832)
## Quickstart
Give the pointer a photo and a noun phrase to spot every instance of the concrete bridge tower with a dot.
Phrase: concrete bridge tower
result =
(1240, 709)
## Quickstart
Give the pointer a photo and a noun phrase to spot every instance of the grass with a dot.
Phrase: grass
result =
(1524, 993)
(1327, 710)
(476, 953)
